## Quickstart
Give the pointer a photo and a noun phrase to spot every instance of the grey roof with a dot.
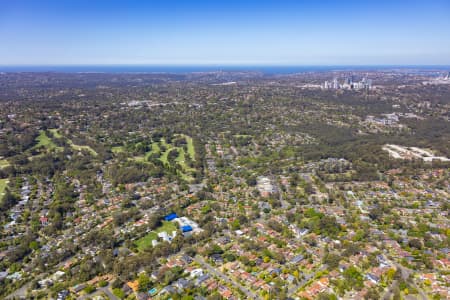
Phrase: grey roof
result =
(297, 259)
(202, 278)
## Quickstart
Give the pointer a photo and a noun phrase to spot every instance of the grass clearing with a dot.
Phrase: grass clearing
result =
(190, 147)
(146, 241)
(55, 133)
(140, 159)
(155, 148)
(185, 176)
(3, 184)
(164, 156)
(189, 151)
(80, 148)
(4, 163)
(164, 143)
(181, 156)
(118, 149)
(181, 160)
(242, 135)
(44, 141)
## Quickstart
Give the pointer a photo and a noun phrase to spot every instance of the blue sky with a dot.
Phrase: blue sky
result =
(344, 32)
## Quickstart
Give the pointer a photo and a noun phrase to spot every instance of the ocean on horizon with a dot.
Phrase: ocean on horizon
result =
(204, 68)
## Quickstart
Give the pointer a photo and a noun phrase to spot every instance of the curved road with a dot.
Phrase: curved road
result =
(105, 290)
(405, 272)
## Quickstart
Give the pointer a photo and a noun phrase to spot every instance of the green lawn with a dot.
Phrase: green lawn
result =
(146, 241)
(117, 149)
(46, 142)
(79, 148)
(3, 184)
(144, 158)
(181, 158)
(163, 156)
(3, 163)
(164, 143)
(55, 133)
(155, 148)
(138, 158)
(185, 177)
(242, 135)
(190, 147)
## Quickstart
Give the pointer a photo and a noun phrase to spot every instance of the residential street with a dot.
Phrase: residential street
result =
(105, 290)
(293, 289)
(225, 278)
(405, 274)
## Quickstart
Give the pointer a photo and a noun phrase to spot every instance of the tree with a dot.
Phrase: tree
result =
(117, 283)
(235, 224)
(34, 245)
(372, 294)
(89, 289)
(353, 277)
(144, 282)
(376, 213)
(214, 249)
(390, 274)
(118, 293)
(309, 188)
(275, 225)
(415, 243)
(251, 181)
(329, 226)
(326, 296)
(230, 257)
(8, 201)
(332, 260)
(102, 283)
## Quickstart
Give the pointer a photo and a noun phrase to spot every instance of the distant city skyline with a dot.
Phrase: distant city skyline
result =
(225, 32)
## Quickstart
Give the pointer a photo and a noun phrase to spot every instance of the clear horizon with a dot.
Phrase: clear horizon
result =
(225, 33)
